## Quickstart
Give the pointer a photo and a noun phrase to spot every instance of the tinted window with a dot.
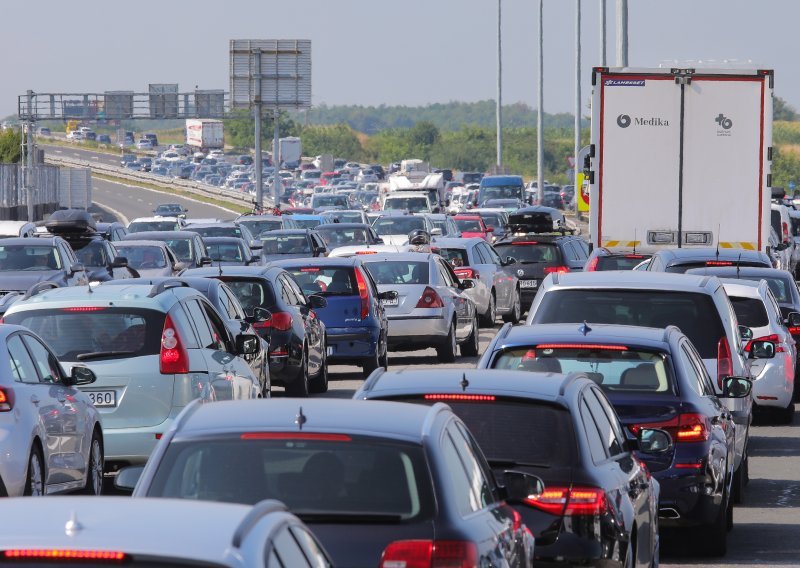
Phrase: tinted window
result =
(143, 257)
(93, 254)
(225, 252)
(690, 368)
(336, 237)
(399, 272)
(325, 280)
(398, 225)
(627, 262)
(490, 254)
(49, 369)
(482, 494)
(775, 217)
(412, 204)
(695, 314)
(23, 257)
(285, 244)
(183, 248)
(140, 226)
(469, 225)
(217, 231)
(251, 293)
(597, 447)
(530, 253)
(608, 433)
(201, 324)
(457, 257)
(22, 367)
(257, 226)
(749, 311)
(459, 480)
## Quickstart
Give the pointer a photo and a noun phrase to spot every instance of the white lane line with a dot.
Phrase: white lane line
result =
(95, 158)
(58, 151)
(139, 199)
(120, 216)
(139, 188)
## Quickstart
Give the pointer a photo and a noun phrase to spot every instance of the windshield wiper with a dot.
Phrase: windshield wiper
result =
(509, 462)
(347, 517)
(530, 261)
(101, 354)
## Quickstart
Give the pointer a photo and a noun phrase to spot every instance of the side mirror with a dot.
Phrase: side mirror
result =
(736, 387)
(793, 319)
(119, 262)
(520, 486)
(256, 244)
(388, 295)
(745, 333)
(466, 284)
(762, 350)
(490, 229)
(247, 344)
(653, 441)
(127, 478)
(510, 260)
(379, 241)
(77, 267)
(316, 301)
(179, 266)
(259, 315)
(81, 375)
(206, 261)
(436, 232)
(320, 250)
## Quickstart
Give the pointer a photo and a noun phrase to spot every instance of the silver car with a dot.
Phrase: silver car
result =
(51, 437)
(150, 259)
(496, 288)
(431, 310)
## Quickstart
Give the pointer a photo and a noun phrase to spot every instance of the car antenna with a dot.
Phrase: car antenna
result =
(634, 241)
(219, 265)
(464, 382)
(718, 229)
(300, 419)
(738, 265)
(585, 329)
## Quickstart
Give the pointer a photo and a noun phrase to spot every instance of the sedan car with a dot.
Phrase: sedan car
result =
(291, 243)
(431, 308)
(170, 210)
(51, 436)
(188, 246)
(144, 144)
(600, 504)
(380, 483)
(230, 251)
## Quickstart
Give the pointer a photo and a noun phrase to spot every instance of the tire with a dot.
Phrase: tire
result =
(299, 386)
(785, 415)
(447, 350)
(490, 315)
(384, 359)
(94, 469)
(714, 541)
(516, 312)
(740, 480)
(319, 384)
(471, 347)
(35, 476)
(371, 364)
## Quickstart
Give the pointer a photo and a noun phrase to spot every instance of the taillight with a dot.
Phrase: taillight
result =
(724, 360)
(687, 427)
(430, 554)
(592, 266)
(556, 269)
(6, 399)
(792, 330)
(570, 501)
(462, 397)
(430, 299)
(362, 293)
(63, 554)
(280, 321)
(174, 357)
(467, 273)
(785, 232)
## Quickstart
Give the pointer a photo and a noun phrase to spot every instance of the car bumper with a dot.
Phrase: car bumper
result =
(351, 342)
(418, 328)
(684, 499)
(132, 446)
(774, 383)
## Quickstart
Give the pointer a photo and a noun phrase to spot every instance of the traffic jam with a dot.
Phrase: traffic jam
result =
(614, 369)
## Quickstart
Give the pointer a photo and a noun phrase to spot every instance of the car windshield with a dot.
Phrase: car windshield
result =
(93, 254)
(143, 257)
(326, 280)
(86, 333)
(494, 220)
(25, 257)
(469, 225)
(140, 226)
(398, 225)
(338, 237)
(347, 216)
(412, 204)
(318, 477)
(695, 314)
(399, 271)
(529, 252)
(321, 200)
(307, 223)
(260, 225)
(169, 209)
(225, 252)
(613, 367)
(500, 192)
(216, 231)
(457, 257)
(780, 287)
(285, 244)
(749, 311)
(250, 293)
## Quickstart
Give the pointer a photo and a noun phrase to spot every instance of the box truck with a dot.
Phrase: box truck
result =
(291, 152)
(204, 134)
(680, 158)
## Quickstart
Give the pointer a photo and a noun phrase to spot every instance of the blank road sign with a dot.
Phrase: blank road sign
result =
(283, 78)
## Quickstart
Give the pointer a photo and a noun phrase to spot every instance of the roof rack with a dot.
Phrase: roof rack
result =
(259, 510)
(38, 288)
(166, 285)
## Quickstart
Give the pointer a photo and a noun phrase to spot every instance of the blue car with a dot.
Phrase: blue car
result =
(354, 318)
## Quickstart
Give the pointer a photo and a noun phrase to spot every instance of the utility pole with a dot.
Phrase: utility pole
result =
(276, 158)
(622, 33)
(576, 165)
(257, 110)
(28, 171)
(602, 33)
(499, 86)
(539, 126)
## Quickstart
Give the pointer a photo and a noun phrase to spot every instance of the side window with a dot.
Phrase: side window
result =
(286, 292)
(607, 434)
(484, 477)
(478, 256)
(481, 491)
(596, 445)
(201, 248)
(22, 367)
(187, 333)
(706, 385)
(449, 277)
(287, 550)
(49, 369)
(201, 324)
(612, 418)
(495, 258)
(298, 293)
(459, 481)
(235, 307)
(219, 333)
(310, 547)
(371, 281)
(569, 251)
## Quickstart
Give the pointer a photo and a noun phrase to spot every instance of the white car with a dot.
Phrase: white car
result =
(75, 135)
(144, 144)
(773, 379)
(394, 229)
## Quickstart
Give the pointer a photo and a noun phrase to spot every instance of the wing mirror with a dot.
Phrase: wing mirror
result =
(520, 486)
(762, 350)
(247, 344)
(653, 441)
(736, 387)
(466, 284)
(259, 315)
(80, 375)
(119, 262)
(317, 301)
(127, 478)
(436, 232)
(379, 241)
(793, 319)
(77, 267)
(490, 229)
(509, 261)
(256, 244)
(179, 266)
(206, 261)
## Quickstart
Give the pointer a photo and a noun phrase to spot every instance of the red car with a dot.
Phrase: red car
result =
(473, 226)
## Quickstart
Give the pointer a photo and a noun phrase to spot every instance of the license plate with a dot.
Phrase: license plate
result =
(528, 283)
(393, 302)
(330, 351)
(103, 398)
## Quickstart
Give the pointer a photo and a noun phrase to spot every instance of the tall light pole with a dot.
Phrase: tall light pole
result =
(602, 20)
(576, 166)
(499, 85)
(622, 33)
(540, 104)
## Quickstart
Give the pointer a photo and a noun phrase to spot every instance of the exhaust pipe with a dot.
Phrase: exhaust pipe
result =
(668, 513)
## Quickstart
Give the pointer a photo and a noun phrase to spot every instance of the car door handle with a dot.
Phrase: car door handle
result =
(34, 399)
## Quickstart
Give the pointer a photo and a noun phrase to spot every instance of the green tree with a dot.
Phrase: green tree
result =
(785, 168)
(781, 110)
(240, 129)
(10, 150)
(339, 140)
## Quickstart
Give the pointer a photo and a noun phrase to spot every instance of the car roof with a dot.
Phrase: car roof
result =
(635, 279)
(711, 253)
(157, 218)
(319, 261)
(286, 232)
(160, 234)
(38, 241)
(392, 420)
(744, 271)
(744, 288)
(215, 271)
(443, 242)
(599, 334)
(223, 224)
(327, 226)
(140, 243)
(129, 295)
(226, 239)
(401, 256)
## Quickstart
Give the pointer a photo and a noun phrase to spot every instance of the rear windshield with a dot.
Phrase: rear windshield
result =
(183, 248)
(217, 231)
(24, 257)
(347, 216)
(627, 370)
(257, 227)
(750, 311)
(627, 262)
(326, 280)
(530, 253)
(469, 225)
(398, 225)
(336, 237)
(405, 204)
(93, 254)
(538, 222)
(776, 221)
(224, 252)
(285, 244)
(695, 314)
(329, 201)
(317, 479)
(457, 257)
(142, 257)
(398, 272)
(307, 223)
(494, 220)
(250, 293)
(781, 287)
(684, 266)
(95, 332)
(140, 226)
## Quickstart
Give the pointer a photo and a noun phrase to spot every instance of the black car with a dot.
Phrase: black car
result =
(283, 315)
(170, 210)
(187, 245)
(603, 258)
(230, 251)
(291, 243)
(655, 379)
(114, 231)
(599, 506)
(682, 259)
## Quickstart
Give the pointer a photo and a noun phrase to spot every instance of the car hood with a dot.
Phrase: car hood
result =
(367, 249)
(396, 240)
(269, 257)
(22, 280)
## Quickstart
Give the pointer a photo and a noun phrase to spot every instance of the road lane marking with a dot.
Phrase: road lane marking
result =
(140, 188)
(120, 216)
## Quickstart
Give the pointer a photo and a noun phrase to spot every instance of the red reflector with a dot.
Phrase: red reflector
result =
(592, 266)
(690, 465)
(309, 270)
(719, 263)
(582, 346)
(526, 243)
(556, 269)
(475, 397)
(58, 553)
(366, 252)
(296, 436)
(84, 309)
(158, 436)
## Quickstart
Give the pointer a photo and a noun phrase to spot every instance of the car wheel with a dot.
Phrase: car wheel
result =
(384, 360)
(447, 350)
(34, 481)
(487, 319)
(371, 364)
(740, 478)
(715, 539)
(320, 382)
(94, 469)
(785, 415)
(516, 311)
(299, 386)
(471, 347)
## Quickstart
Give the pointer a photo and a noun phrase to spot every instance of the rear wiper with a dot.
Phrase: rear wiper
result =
(530, 261)
(101, 354)
(509, 462)
(347, 517)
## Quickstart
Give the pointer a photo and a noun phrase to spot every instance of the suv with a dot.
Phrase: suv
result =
(153, 349)
(25, 262)
(411, 201)
(682, 259)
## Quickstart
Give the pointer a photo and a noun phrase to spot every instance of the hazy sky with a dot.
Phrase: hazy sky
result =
(370, 52)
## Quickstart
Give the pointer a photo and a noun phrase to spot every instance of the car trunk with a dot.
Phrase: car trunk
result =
(637, 410)
(341, 311)
(408, 295)
(361, 545)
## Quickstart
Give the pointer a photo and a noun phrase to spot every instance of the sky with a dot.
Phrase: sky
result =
(372, 52)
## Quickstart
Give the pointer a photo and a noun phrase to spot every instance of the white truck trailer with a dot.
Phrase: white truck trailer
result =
(680, 158)
(291, 152)
(204, 134)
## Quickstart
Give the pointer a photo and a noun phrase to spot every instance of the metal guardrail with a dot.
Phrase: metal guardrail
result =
(201, 189)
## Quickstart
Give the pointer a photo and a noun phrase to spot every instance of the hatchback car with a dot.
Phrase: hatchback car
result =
(170, 210)
(562, 429)
(379, 483)
(681, 260)
(291, 243)
(153, 348)
(155, 224)
(224, 230)
(260, 223)
(150, 258)
(347, 235)
(25, 262)
(394, 228)
(188, 246)
(51, 435)
(230, 251)
(603, 258)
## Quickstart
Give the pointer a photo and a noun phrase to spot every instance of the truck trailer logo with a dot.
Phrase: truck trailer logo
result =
(624, 83)
(624, 121)
(725, 125)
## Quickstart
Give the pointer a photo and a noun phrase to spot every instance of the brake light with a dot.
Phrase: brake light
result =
(84, 309)
(58, 553)
(366, 252)
(280, 321)
(6, 399)
(592, 266)
(640, 256)
(582, 346)
(467, 273)
(556, 269)
(362, 293)
(792, 330)
(473, 397)
(570, 501)
(687, 427)
(526, 243)
(430, 554)
(174, 358)
(724, 360)
(309, 270)
(430, 299)
(719, 263)
(785, 232)
(296, 436)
